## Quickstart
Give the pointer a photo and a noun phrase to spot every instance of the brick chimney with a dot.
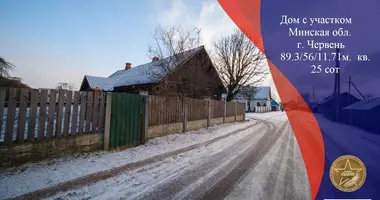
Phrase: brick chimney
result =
(128, 66)
(155, 59)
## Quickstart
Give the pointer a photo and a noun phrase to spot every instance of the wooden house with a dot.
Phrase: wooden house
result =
(191, 74)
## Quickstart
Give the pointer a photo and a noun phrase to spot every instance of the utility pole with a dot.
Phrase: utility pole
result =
(349, 85)
(337, 84)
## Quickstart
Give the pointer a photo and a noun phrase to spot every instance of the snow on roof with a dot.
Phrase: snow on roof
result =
(134, 76)
(364, 105)
(357, 104)
(141, 74)
(332, 96)
(371, 105)
(105, 84)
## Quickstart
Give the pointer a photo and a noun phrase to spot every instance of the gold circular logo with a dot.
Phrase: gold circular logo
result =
(348, 173)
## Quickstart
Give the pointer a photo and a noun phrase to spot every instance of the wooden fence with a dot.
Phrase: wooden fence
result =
(39, 114)
(197, 109)
(167, 110)
(32, 114)
(217, 109)
(230, 109)
(164, 110)
(39, 123)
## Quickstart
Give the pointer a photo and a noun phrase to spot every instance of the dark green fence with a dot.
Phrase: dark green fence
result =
(126, 120)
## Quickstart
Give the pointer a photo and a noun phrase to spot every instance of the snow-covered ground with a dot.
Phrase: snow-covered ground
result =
(190, 169)
(269, 177)
(134, 183)
(367, 141)
(35, 176)
(276, 117)
(273, 177)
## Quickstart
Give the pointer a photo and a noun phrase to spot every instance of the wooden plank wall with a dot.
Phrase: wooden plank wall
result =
(164, 110)
(217, 109)
(32, 114)
(167, 110)
(230, 109)
(240, 109)
(198, 109)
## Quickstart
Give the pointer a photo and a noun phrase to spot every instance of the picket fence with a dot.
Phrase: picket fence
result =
(39, 114)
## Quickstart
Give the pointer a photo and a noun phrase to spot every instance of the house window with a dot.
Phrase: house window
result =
(258, 104)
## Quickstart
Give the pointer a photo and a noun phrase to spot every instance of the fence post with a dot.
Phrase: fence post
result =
(209, 102)
(224, 112)
(107, 125)
(145, 119)
(235, 111)
(244, 115)
(185, 113)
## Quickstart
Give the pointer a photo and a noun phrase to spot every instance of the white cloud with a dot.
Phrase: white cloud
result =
(211, 20)
(214, 22)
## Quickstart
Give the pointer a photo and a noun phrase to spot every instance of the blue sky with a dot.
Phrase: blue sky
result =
(61, 41)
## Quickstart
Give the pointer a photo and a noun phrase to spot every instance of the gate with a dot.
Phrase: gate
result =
(126, 120)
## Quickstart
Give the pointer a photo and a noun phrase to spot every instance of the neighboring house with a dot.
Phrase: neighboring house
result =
(275, 105)
(259, 101)
(364, 114)
(191, 67)
(328, 107)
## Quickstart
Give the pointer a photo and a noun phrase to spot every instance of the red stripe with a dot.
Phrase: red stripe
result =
(246, 15)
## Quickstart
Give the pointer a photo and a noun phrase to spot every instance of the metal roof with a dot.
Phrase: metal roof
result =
(141, 74)
(274, 103)
(364, 105)
(105, 84)
(357, 104)
(342, 95)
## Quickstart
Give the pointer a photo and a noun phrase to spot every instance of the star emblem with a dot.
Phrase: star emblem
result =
(348, 170)
(348, 173)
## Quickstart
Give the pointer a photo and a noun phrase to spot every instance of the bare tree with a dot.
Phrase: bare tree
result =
(239, 62)
(5, 67)
(65, 86)
(248, 93)
(171, 48)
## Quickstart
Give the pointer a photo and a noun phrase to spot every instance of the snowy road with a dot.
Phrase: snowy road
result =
(261, 162)
(259, 159)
